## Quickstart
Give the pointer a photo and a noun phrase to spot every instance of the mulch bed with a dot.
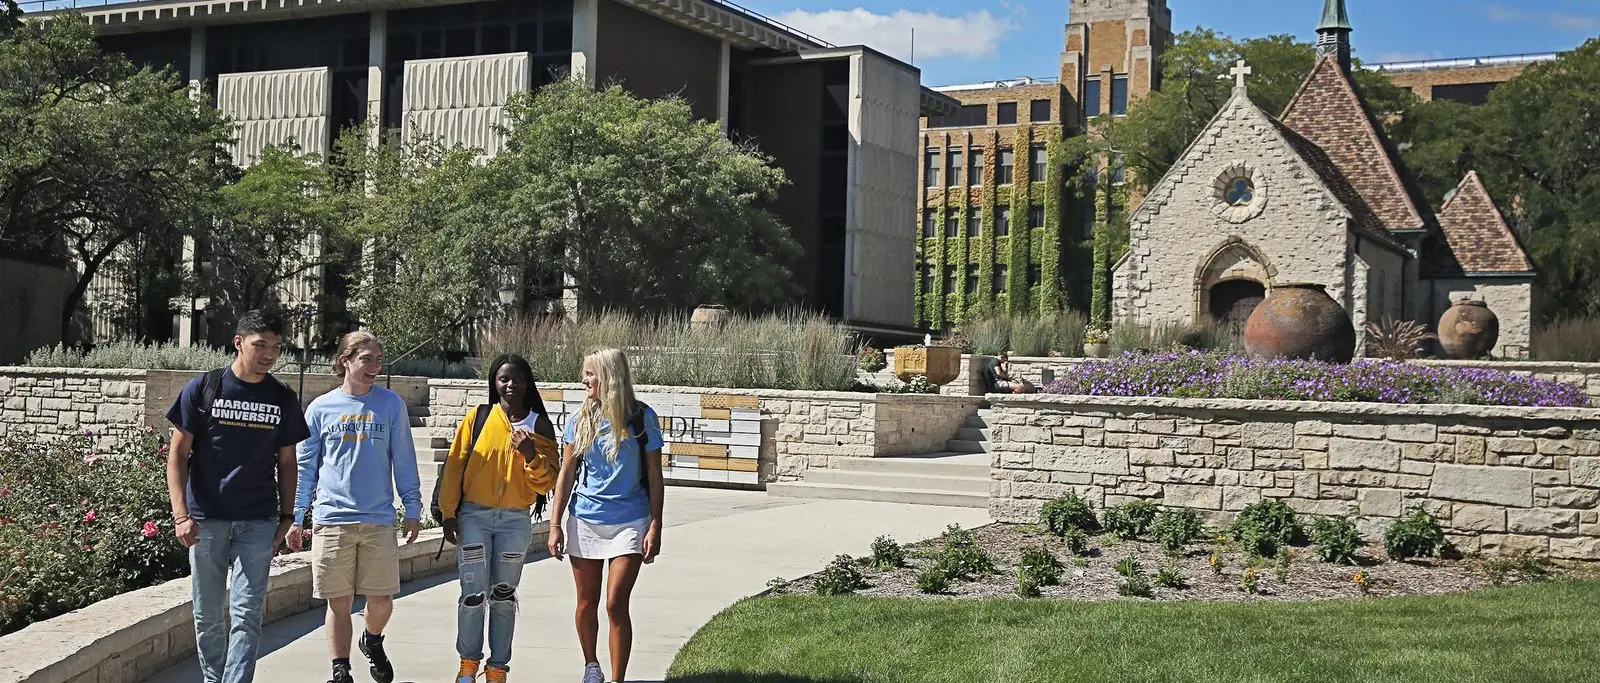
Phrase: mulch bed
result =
(1093, 577)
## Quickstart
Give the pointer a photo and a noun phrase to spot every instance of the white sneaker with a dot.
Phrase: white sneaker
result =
(593, 674)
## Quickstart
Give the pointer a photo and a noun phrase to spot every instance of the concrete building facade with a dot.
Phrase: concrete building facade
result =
(840, 121)
(999, 229)
(1468, 80)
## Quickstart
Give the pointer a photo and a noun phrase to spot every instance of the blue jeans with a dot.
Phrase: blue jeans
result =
(494, 543)
(228, 654)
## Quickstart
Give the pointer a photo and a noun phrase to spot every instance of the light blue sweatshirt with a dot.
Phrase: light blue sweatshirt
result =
(359, 451)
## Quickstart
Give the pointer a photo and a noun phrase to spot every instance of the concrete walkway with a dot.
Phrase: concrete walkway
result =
(720, 546)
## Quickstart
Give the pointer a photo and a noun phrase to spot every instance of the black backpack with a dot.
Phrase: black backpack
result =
(478, 420)
(636, 427)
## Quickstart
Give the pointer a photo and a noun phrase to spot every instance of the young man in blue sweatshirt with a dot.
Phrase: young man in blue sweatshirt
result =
(360, 444)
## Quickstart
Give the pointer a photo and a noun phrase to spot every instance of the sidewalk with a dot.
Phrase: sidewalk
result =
(719, 546)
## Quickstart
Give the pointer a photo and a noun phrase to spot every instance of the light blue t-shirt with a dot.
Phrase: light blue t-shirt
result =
(612, 492)
(360, 449)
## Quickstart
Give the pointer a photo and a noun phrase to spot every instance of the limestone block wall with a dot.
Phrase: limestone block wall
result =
(800, 430)
(162, 387)
(62, 402)
(461, 100)
(1500, 479)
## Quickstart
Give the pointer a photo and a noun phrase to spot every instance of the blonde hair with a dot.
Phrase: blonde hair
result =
(615, 388)
(350, 345)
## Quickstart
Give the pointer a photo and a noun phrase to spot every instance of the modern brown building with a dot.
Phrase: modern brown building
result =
(840, 121)
(999, 229)
(1468, 80)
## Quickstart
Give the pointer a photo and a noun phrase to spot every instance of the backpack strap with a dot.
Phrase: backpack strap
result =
(479, 419)
(636, 425)
(210, 388)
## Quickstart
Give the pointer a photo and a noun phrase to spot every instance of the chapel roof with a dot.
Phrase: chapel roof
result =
(1329, 113)
(1363, 220)
(1477, 234)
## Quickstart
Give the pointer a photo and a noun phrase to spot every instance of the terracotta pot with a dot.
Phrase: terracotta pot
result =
(1300, 320)
(708, 315)
(1468, 330)
(940, 364)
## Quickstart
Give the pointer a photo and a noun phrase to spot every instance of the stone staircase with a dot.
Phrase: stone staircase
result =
(958, 477)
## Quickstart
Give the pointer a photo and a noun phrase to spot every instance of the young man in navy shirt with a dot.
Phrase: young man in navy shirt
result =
(231, 476)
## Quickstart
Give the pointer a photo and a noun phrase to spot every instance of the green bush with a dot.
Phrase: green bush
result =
(933, 580)
(963, 559)
(1135, 583)
(1076, 540)
(1129, 520)
(886, 554)
(1336, 540)
(1068, 512)
(1171, 576)
(841, 577)
(80, 523)
(1266, 525)
(1417, 534)
(1027, 584)
(172, 356)
(1176, 528)
(1042, 565)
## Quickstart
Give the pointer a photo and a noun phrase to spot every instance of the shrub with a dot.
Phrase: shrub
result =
(1076, 540)
(1193, 374)
(1171, 576)
(1251, 580)
(1281, 568)
(1525, 568)
(1336, 540)
(1129, 520)
(919, 384)
(1042, 565)
(962, 558)
(841, 577)
(81, 522)
(872, 360)
(1266, 525)
(1417, 534)
(886, 554)
(933, 580)
(1135, 583)
(1027, 584)
(1129, 566)
(1176, 528)
(1574, 340)
(1068, 512)
(1396, 339)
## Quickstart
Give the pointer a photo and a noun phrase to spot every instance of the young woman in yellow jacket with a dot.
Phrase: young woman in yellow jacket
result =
(512, 463)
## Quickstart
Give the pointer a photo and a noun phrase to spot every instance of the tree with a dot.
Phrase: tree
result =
(96, 153)
(640, 204)
(279, 222)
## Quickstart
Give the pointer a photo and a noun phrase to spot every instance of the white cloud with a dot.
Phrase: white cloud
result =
(1556, 20)
(974, 35)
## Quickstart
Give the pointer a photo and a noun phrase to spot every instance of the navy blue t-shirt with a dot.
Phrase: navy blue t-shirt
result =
(233, 474)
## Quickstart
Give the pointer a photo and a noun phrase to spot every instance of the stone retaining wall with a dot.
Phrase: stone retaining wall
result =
(63, 401)
(129, 637)
(801, 429)
(1500, 479)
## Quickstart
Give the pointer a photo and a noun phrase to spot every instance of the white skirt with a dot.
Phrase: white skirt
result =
(590, 541)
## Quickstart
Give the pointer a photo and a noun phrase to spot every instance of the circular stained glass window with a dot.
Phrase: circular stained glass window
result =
(1240, 192)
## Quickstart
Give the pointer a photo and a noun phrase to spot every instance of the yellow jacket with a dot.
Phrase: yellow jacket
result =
(497, 475)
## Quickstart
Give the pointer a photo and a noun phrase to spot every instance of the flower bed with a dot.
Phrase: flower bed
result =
(79, 524)
(1192, 374)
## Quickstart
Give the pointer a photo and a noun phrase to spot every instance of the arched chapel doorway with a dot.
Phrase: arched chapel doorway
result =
(1232, 302)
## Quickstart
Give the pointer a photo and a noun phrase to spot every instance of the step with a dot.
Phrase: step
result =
(430, 437)
(433, 454)
(938, 464)
(877, 494)
(975, 434)
(915, 482)
(978, 422)
(967, 446)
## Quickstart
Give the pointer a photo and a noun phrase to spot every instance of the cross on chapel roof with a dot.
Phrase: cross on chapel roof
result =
(1239, 72)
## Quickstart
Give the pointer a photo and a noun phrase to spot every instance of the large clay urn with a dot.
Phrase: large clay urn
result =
(1468, 330)
(940, 364)
(1300, 320)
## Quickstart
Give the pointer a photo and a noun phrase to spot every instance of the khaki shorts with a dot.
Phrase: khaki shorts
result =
(354, 559)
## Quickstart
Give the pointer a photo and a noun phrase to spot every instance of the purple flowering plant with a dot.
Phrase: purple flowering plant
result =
(1195, 374)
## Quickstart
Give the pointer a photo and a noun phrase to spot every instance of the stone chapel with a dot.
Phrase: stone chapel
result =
(1316, 195)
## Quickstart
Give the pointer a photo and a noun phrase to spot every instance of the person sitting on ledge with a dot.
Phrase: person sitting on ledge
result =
(1006, 383)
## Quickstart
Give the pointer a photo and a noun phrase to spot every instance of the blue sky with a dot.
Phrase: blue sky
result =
(962, 41)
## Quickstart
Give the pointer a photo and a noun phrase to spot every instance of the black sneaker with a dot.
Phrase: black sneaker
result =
(372, 647)
(341, 674)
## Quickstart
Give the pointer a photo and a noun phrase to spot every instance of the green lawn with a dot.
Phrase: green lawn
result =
(1531, 634)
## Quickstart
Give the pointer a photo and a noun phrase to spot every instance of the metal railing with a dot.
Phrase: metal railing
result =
(727, 4)
(1463, 62)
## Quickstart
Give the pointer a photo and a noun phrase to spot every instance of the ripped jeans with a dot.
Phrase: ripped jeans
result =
(494, 543)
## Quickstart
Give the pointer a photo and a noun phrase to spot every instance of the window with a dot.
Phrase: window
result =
(949, 280)
(1240, 192)
(974, 223)
(1036, 216)
(1035, 275)
(932, 166)
(1039, 111)
(968, 115)
(1005, 113)
(957, 168)
(1002, 221)
(927, 278)
(1119, 169)
(929, 227)
(1119, 95)
(1088, 220)
(1002, 174)
(972, 278)
(975, 172)
(952, 223)
(1091, 97)
(1038, 159)
(999, 279)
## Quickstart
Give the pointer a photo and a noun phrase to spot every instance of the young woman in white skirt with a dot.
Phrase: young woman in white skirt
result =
(607, 504)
